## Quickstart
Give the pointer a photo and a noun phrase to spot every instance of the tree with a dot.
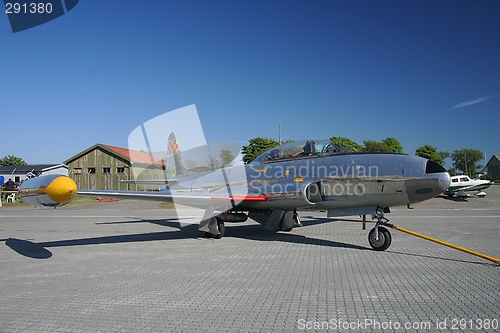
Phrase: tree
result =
(190, 164)
(212, 163)
(444, 155)
(394, 145)
(466, 160)
(373, 145)
(256, 147)
(388, 145)
(347, 143)
(429, 152)
(12, 160)
(226, 157)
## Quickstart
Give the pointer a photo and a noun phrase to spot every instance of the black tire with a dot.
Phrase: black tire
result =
(221, 227)
(384, 239)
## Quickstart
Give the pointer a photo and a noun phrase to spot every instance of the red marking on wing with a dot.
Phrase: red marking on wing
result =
(242, 198)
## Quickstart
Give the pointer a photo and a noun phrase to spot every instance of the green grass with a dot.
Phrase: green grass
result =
(78, 200)
(87, 200)
(167, 205)
(16, 203)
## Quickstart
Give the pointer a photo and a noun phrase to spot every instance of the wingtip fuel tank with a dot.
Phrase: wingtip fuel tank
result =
(50, 191)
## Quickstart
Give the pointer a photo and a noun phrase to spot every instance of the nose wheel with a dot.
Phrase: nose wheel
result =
(381, 240)
(379, 237)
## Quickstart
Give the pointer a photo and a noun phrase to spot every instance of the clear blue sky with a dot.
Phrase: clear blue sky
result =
(424, 72)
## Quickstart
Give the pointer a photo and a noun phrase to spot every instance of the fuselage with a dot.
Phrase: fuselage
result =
(462, 183)
(326, 181)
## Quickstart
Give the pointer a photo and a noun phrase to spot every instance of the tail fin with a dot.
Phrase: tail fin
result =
(174, 151)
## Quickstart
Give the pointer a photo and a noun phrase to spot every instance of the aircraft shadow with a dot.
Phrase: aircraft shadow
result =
(250, 232)
(254, 232)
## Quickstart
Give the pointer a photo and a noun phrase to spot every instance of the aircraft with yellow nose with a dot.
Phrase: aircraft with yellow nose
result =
(309, 175)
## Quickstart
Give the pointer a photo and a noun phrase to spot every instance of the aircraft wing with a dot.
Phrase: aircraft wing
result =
(170, 182)
(148, 181)
(192, 199)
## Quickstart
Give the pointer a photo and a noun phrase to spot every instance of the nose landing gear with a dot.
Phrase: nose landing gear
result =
(379, 237)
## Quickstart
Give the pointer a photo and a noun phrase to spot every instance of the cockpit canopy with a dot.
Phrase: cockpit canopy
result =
(301, 149)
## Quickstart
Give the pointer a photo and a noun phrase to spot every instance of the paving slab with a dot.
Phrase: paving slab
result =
(133, 267)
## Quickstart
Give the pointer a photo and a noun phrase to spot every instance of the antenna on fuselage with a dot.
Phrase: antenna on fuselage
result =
(281, 136)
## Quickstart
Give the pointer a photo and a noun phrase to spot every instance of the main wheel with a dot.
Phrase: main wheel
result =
(384, 239)
(221, 227)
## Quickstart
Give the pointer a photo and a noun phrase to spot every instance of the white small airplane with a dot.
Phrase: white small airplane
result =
(462, 183)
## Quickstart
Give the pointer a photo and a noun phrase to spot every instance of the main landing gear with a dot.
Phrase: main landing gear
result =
(379, 237)
(217, 228)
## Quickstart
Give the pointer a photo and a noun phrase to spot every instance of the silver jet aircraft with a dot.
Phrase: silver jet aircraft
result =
(294, 177)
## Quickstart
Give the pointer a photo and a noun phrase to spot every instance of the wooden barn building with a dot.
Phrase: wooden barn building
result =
(104, 167)
(493, 167)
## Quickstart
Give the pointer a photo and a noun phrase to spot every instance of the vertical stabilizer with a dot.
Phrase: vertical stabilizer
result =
(174, 152)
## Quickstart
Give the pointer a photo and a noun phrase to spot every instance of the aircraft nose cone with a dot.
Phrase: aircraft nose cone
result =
(434, 169)
(444, 181)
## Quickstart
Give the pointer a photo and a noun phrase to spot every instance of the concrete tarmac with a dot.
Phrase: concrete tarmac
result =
(133, 267)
